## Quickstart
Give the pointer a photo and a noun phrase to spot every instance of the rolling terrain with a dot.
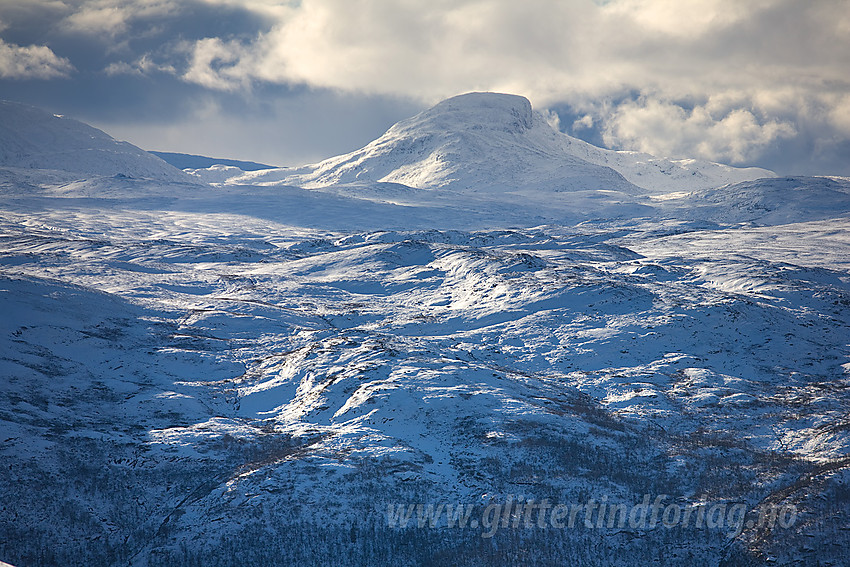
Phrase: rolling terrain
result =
(224, 367)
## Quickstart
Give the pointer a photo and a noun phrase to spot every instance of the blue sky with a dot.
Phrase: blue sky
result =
(761, 82)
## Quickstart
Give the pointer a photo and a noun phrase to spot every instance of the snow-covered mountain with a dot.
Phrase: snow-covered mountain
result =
(193, 161)
(31, 138)
(255, 373)
(496, 142)
(783, 200)
(486, 155)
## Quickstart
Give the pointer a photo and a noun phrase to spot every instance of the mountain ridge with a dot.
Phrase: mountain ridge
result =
(270, 375)
(497, 142)
(195, 161)
(33, 138)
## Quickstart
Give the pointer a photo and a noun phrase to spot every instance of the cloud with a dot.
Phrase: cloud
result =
(32, 62)
(583, 122)
(667, 129)
(839, 115)
(545, 48)
(302, 127)
(775, 59)
(112, 18)
(718, 79)
(215, 64)
(143, 66)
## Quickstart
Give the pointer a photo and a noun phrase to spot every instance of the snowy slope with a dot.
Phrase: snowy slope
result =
(657, 174)
(256, 375)
(496, 142)
(242, 379)
(31, 138)
(770, 201)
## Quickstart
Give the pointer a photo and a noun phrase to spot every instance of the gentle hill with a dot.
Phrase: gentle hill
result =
(782, 200)
(32, 138)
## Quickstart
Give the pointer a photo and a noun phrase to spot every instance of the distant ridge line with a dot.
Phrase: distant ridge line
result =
(191, 161)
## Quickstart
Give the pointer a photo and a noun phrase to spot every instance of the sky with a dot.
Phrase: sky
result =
(743, 82)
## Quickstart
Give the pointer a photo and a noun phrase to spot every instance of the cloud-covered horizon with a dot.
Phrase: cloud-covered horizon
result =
(737, 82)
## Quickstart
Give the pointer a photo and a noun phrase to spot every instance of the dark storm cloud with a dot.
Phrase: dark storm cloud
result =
(124, 58)
(276, 125)
(128, 76)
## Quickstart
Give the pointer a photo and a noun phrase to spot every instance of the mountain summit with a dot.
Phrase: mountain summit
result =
(492, 112)
(472, 142)
(491, 142)
(366, 373)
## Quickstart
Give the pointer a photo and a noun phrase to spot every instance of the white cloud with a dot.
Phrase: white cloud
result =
(427, 50)
(552, 119)
(142, 66)
(215, 64)
(583, 123)
(545, 48)
(31, 62)
(676, 18)
(743, 74)
(749, 70)
(111, 18)
(662, 128)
